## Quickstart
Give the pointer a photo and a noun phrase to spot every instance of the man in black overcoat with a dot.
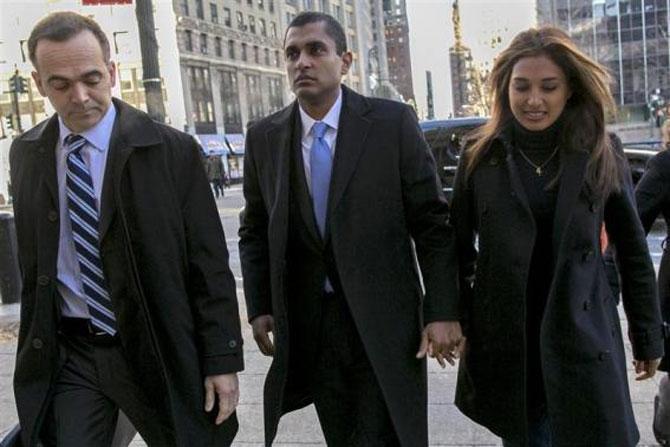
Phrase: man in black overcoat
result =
(128, 301)
(341, 200)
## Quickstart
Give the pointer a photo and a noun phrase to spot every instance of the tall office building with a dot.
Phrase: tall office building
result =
(397, 47)
(629, 37)
(459, 59)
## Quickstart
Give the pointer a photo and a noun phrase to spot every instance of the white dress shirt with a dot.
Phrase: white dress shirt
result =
(94, 154)
(332, 119)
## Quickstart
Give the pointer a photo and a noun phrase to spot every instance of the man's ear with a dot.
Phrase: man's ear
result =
(38, 83)
(112, 73)
(347, 59)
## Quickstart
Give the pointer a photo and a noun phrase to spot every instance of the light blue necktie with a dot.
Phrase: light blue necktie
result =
(321, 164)
(83, 213)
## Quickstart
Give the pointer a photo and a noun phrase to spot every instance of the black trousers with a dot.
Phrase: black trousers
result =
(347, 396)
(93, 383)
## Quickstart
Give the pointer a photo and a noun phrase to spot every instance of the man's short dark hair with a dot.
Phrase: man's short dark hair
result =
(333, 27)
(62, 26)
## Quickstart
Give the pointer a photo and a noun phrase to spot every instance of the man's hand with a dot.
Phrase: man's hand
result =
(261, 326)
(645, 369)
(442, 340)
(226, 388)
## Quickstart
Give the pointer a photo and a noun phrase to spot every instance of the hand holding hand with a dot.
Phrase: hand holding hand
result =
(442, 340)
(226, 388)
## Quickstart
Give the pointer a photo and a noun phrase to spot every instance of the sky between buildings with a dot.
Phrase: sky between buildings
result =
(431, 35)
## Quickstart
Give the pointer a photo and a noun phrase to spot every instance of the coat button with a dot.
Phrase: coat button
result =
(43, 280)
(603, 356)
(232, 344)
(587, 305)
(37, 343)
(587, 255)
(52, 216)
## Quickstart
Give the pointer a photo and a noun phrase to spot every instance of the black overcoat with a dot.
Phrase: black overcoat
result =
(653, 199)
(581, 348)
(166, 262)
(384, 194)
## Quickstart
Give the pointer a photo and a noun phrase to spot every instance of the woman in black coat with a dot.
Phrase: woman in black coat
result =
(544, 364)
(653, 199)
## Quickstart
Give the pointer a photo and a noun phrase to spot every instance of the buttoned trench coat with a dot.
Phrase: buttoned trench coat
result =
(384, 194)
(166, 264)
(581, 349)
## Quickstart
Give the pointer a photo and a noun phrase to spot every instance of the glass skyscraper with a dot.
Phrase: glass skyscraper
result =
(629, 37)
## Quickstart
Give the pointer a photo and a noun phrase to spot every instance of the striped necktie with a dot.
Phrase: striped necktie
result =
(83, 213)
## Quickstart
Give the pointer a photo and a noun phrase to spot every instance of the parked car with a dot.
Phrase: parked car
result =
(445, 140)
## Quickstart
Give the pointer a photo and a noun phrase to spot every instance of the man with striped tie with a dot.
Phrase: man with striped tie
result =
(128, 302)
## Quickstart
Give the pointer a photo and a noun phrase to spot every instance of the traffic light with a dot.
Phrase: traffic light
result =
(18, 84)
(10, 121)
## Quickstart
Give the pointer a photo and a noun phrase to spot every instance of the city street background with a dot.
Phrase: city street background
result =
(447, 426)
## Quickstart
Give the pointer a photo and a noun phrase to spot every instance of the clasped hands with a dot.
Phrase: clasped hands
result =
(443, 341)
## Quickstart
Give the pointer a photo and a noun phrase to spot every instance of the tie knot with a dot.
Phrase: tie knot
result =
(74, 142)
(319, 129)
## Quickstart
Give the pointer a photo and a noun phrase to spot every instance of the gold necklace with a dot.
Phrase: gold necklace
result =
(538, 168)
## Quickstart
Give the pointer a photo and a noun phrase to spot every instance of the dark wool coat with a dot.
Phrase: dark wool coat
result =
(653, 199)
(166, 262)
(384, 194)
(581, 346)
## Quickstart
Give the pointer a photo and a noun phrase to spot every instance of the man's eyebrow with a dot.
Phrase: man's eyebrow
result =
(88, 74)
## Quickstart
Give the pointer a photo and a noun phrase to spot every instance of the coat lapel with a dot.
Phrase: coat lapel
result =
(278, 140)
(571, 181)
(45, 140)
(131, 130)
(518, 190)
(351, 135)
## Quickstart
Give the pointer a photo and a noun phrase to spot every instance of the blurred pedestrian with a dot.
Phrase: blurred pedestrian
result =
(653, 199)
(544, 362)
(215, 173)
(128, 302)
(342, 198)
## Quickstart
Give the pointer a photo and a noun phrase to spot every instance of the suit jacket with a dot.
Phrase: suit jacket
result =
(385, 207)
(581, 346)
(166, 264)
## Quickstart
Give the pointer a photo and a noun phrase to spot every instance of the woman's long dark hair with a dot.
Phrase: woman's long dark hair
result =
(585, 112)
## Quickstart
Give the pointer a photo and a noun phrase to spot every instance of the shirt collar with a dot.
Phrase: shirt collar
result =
(332, 118)
(97, 136)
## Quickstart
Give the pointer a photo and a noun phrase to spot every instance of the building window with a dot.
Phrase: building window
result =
(240, 21)
(218, 50)
(226, 17)
(309, 5)
(203, 43)
(257, 54)
(261, 4)
(214, 10)
(266, 53)
(325, 7)
(275, 100)
(271, 5)
(250, 2)
(277, 60)
(262, 28)
(273, 29)
(184, 7)
(252, 24)
(230, 100)
(201, 97)
(354, 42)
(338, 14)
(231, 49)
(350, 20)
(199, 10)
(244, 51)
(254, 97)
(188, 40)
